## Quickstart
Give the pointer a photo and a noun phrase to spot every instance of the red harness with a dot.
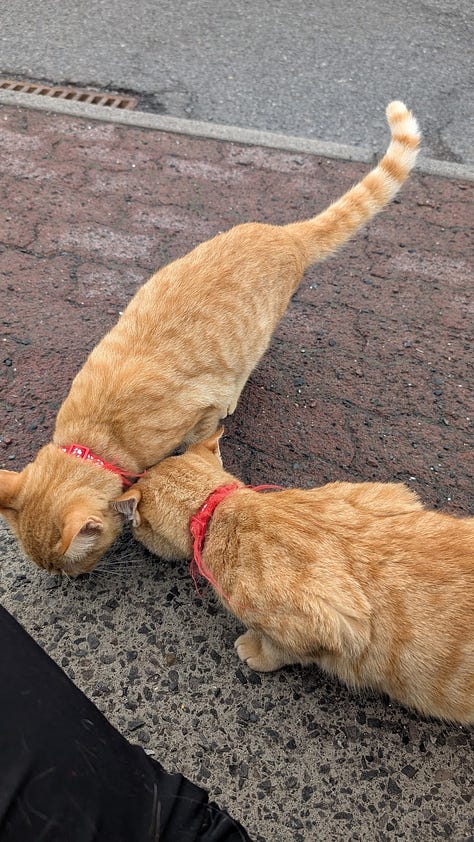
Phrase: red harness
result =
(81, 452)
(198, 525)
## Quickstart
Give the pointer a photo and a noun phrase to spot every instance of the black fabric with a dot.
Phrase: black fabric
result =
(66, 775)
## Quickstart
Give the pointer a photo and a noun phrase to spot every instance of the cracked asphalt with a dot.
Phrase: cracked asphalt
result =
(320, 70)
(369, 376)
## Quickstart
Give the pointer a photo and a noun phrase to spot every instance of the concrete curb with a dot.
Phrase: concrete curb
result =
(216, 131)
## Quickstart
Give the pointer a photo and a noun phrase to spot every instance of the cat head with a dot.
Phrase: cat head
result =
(58, 507)
(161, 503)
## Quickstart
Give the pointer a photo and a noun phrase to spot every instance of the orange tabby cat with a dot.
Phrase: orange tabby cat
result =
(175, 364)
(356, 577)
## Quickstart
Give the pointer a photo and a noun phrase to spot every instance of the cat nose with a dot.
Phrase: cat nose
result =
(70, 569)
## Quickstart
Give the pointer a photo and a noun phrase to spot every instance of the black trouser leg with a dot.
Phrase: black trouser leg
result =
(66, 775)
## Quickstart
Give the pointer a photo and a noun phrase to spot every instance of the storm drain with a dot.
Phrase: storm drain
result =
(71, 94)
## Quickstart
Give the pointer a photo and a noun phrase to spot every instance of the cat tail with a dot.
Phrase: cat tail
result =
(321, 235)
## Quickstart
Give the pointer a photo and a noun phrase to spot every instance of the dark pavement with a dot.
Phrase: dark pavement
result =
(369, 377)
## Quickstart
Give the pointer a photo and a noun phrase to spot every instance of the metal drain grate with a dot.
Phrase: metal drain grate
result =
(72, 94)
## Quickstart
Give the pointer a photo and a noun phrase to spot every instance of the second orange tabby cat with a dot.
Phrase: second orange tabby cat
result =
(356, 577)
(175, 364)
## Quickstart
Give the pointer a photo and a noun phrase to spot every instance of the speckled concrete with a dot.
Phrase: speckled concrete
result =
(369, 376)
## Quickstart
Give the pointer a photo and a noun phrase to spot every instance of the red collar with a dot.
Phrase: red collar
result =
(81, 452)
(198, 525)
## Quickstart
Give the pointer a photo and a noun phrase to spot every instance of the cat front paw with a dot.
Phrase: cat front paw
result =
(258, 653)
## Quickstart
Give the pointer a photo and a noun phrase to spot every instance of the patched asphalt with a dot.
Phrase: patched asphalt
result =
(368, 377)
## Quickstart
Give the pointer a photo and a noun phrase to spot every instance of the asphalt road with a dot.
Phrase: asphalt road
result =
(323, 70)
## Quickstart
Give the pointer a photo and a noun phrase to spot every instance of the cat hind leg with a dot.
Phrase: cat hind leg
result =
(205, 427)
(260, 653)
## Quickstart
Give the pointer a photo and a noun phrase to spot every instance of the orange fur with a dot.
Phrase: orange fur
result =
(177, 360)
(356, 577)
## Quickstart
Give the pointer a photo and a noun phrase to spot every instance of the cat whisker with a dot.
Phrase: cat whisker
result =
(114, 565)
(107, 569)
(114, 572)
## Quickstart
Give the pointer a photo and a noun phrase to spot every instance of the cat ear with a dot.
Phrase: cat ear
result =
(127, 504)
(10, 484)
(80, 534)
(212, 443)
